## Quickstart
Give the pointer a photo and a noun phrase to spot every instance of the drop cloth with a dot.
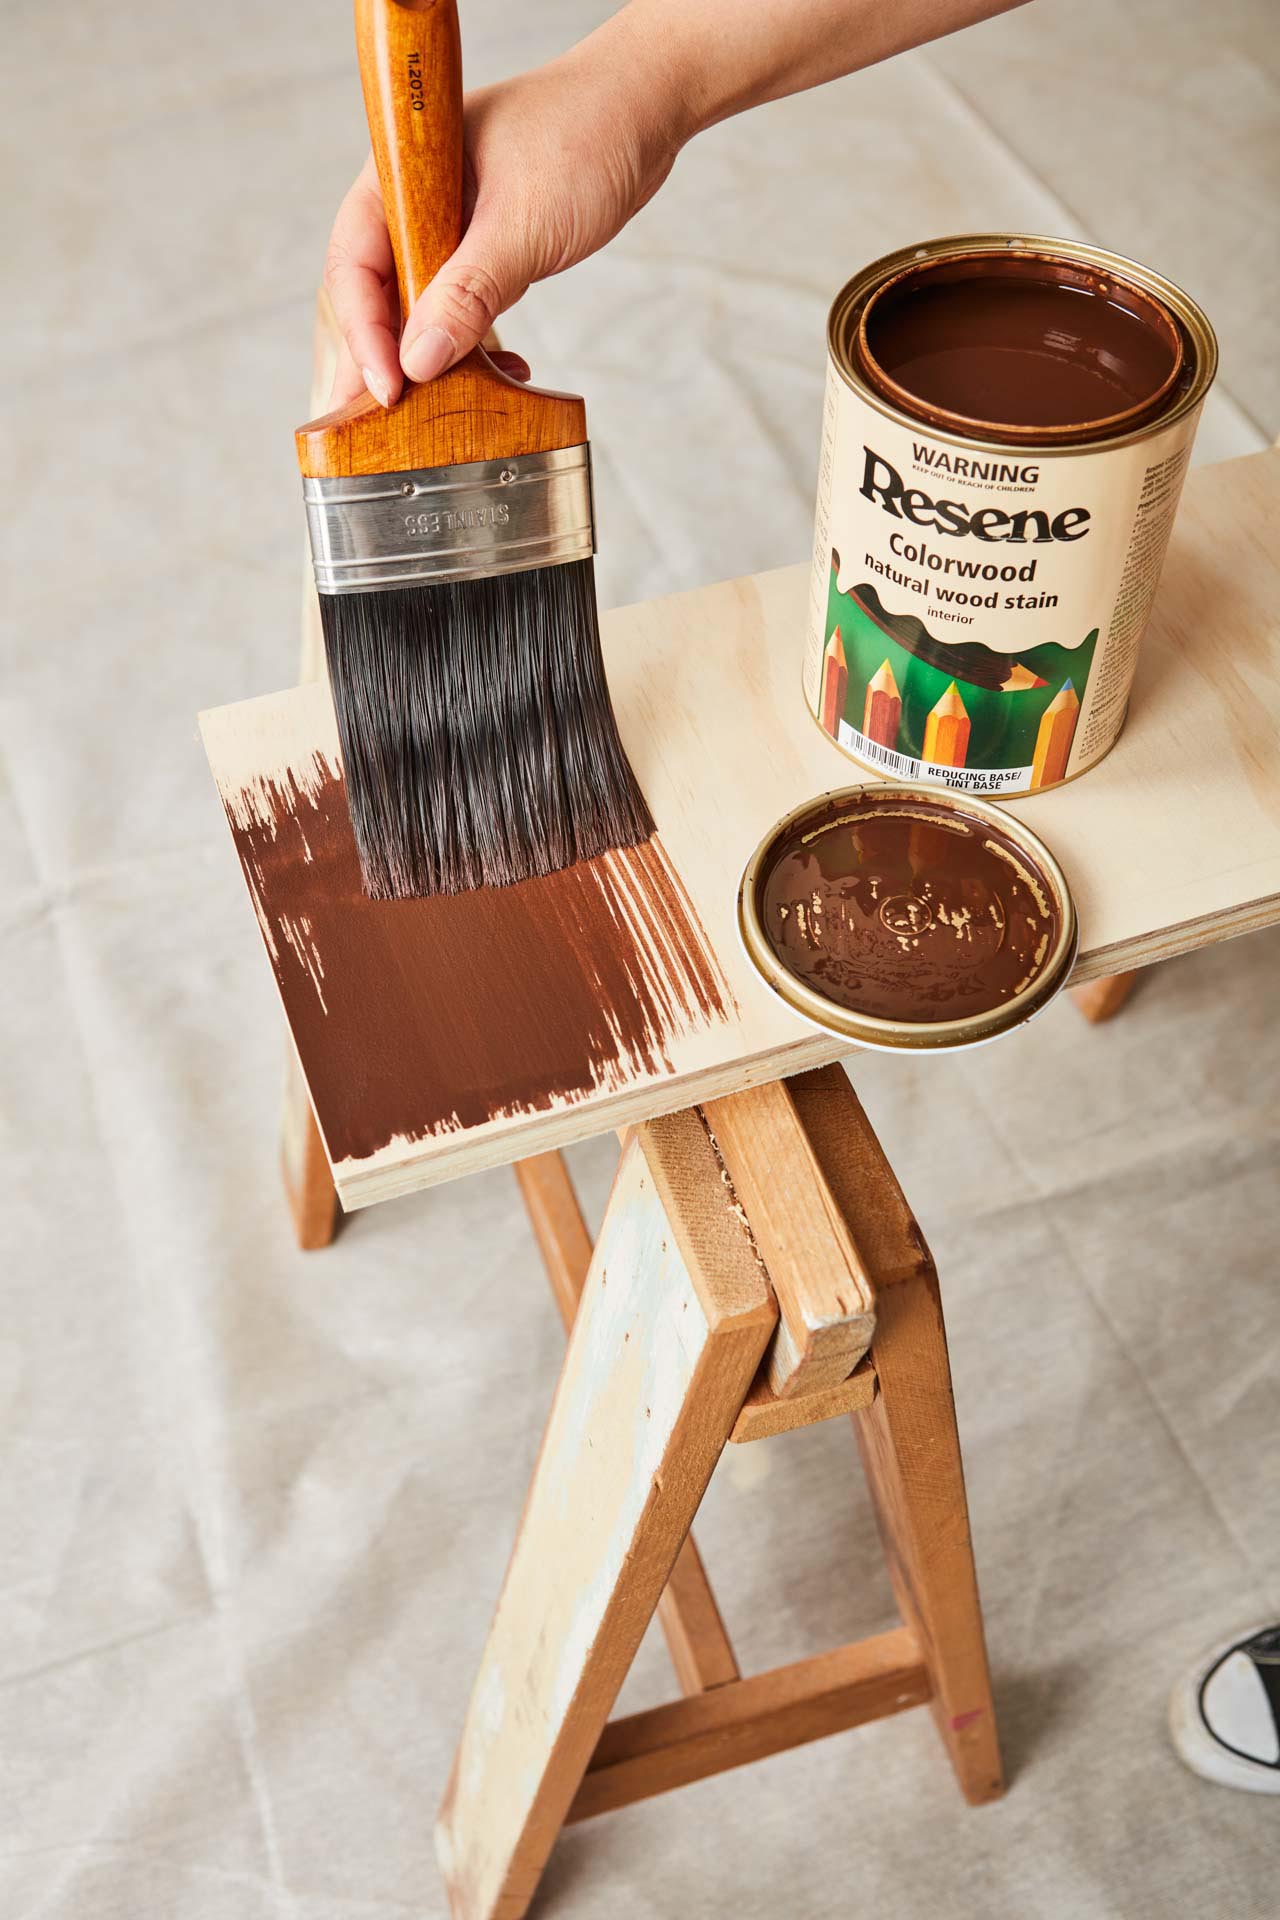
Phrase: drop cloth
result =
(255, 1506)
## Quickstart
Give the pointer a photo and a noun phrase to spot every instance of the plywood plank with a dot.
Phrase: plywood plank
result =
(1172, 843)
(661, 1354)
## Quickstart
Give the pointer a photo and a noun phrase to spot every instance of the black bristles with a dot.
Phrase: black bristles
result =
(477, 732)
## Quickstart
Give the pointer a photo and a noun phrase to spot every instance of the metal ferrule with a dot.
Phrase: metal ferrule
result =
(438, 524)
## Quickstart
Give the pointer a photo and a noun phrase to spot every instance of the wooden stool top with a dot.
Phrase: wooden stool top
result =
(439, 1037)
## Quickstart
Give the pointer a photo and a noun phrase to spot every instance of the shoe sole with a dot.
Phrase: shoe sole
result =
(1196, 1746)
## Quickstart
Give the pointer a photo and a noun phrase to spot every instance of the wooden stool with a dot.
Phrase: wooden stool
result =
(758, 1269)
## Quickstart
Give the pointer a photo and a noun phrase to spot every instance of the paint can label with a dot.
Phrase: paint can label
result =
(975, 611)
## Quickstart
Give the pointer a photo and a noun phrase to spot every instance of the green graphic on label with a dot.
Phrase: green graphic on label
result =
(926, 708)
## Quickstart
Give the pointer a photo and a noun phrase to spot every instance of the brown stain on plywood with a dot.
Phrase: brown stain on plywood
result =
(420, 1017)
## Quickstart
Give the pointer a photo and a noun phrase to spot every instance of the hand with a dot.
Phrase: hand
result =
(555, 162)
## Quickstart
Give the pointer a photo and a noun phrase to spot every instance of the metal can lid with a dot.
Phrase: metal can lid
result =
(907, 917)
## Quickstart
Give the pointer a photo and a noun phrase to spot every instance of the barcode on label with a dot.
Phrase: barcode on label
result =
(887, 757)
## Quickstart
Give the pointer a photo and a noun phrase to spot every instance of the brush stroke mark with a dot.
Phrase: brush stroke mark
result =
(415, 1018)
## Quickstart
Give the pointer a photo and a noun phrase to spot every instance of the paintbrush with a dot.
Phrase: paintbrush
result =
(452, 537)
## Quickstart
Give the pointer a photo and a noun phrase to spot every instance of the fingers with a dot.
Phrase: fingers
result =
(487, 274)
(348, 381)
(359, 274)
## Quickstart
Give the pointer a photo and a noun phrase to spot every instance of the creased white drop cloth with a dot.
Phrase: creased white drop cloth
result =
(255, 1506)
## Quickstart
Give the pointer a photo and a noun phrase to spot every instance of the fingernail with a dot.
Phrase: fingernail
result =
(378, 385)
(428, 353)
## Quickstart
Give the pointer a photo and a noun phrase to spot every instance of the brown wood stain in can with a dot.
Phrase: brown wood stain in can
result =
(417, 1017)
(1021, 346)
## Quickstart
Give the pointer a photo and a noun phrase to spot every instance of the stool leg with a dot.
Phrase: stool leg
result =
(690, 1619)
(666, 1340)
(1103, 999)
(907, 1435)
(308, 1183)
(911, 1452)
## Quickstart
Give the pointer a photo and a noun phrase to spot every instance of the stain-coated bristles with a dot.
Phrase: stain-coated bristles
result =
(478, 736)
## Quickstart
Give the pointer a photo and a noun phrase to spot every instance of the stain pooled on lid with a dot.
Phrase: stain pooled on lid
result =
(905, 909)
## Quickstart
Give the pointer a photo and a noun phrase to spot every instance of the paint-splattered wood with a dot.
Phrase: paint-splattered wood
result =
(700, 1648)
(445, 1037)
(672, 1323)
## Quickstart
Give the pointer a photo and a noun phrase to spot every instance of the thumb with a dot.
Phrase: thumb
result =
(486, 275)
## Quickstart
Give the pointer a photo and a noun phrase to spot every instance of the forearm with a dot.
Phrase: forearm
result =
(709, 59)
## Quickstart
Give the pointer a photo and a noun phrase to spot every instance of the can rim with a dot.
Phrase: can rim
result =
(919, 1036)
(1184, 309)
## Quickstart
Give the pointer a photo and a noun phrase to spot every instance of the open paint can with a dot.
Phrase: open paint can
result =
(1008, 421)
(908, 918)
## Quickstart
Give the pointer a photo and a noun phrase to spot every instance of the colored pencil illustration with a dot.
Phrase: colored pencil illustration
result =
(1020, 679)
(882, 709)
(946, 731)
(835, 683)
(1053, 741)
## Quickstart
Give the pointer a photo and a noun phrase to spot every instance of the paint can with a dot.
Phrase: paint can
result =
(1007, 424)
(908, 918)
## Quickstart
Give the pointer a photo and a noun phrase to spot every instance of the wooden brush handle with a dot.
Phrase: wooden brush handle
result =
(411, 71)
(409, 52)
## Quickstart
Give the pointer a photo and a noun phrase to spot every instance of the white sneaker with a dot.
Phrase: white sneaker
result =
(1224, 1715)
